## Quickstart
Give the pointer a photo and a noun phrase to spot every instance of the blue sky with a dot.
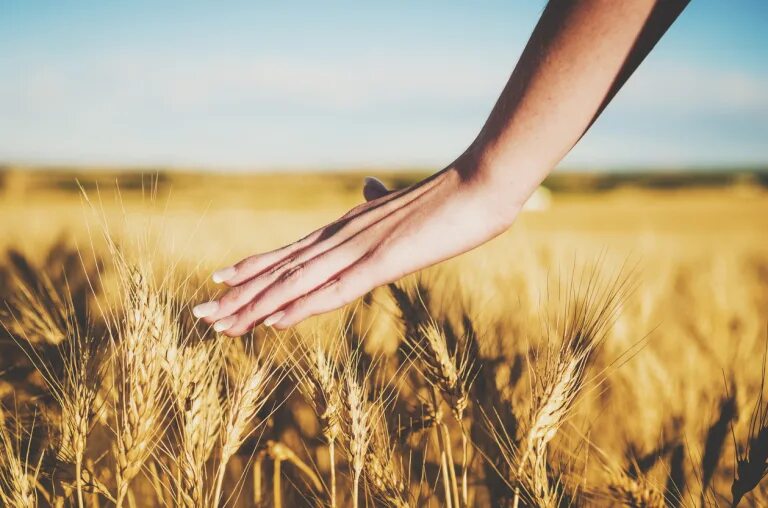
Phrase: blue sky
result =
(248, 85)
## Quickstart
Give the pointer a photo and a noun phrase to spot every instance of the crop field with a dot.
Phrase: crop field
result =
(608, 350)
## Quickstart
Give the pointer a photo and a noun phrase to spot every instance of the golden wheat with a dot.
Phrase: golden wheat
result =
(547, 386)
(16, 477)
(144, 333)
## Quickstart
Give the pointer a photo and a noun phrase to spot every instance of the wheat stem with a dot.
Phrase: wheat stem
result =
(464, 467)
(451, 468)
(355, 490)
(219, 484)
(79, 481)
(277, 497)
(443, 456)
(332, 459)
(257, 480)
(444, 469)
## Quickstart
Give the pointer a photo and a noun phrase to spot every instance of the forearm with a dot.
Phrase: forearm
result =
(578, 56)
(580, 53)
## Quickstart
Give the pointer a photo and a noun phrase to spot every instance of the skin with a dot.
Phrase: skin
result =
(579, 55)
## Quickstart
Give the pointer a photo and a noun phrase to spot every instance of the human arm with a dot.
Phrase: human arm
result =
(578, 56)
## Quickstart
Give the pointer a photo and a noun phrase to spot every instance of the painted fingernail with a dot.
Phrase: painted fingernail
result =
(274, 318)
(205, 309)
(224, 274)
(225, 324)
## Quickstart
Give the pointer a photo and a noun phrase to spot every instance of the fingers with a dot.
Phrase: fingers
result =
(288, 286)
(333, 295)
(254, 265)
(264, 283)
(339, 291)
(326, 256)
(373, 188)
(286, 270)
(236, 298)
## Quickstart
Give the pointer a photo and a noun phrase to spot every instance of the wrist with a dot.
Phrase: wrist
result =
(481, 196)
(505, 180)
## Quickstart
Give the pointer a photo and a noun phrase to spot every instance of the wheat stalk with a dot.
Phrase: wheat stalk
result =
(280, 453)
(383, 472)
(752, 460)
(317, 373)
(144, 332)
(195, 387)
(254, 381)
(76, 395)
(38, 311)
(16, 481)
(452, 374)
(359, 413)
(634, 492)
(714, 442)
(74, 384)
(558, 376)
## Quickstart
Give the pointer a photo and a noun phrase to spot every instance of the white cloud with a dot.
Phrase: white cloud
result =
(189, 84)
(687, 88)
(417, 108)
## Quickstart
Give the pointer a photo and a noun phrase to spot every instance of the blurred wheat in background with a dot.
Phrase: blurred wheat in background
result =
(609, 350)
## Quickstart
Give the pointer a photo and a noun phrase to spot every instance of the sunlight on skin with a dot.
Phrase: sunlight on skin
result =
(564, 78)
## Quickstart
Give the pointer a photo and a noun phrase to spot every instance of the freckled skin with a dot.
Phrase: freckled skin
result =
(579, 55)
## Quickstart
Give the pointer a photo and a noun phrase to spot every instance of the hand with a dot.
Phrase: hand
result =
(564, 78)
(393, 234)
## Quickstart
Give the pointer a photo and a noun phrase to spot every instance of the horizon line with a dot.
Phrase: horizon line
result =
(735, 167)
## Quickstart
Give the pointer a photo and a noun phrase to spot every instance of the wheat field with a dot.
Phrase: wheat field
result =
(609, 350)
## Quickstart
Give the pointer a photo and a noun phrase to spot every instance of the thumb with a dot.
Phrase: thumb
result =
(373, 188)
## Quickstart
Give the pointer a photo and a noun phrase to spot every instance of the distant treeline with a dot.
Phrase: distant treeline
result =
(13, 178)
(580, 182)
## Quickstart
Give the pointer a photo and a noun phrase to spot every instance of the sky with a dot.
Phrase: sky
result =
(326, 85)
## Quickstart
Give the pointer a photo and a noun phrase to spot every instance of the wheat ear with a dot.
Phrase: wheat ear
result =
(634, 492)
(16, 482)
(76, 395)
(317, 371)
(451, 373)
(359, 413)
(589, 309)
(752, 460)
(140, 406)
(250, 389)
(383, 472)
(196, 396)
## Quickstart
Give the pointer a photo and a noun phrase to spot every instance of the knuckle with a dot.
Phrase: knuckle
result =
(369, 266)
(292, 274)
(247, 316)
(338, 288)
(372, 258)
(251, 311)
(300, 308)
(283, 266)
(232, 296)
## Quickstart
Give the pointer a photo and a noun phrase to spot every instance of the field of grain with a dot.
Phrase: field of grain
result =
(608, 350)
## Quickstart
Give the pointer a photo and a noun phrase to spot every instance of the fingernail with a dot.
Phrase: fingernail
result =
(205, 309)
(224, 274)
(225, 324)
(274, 318)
